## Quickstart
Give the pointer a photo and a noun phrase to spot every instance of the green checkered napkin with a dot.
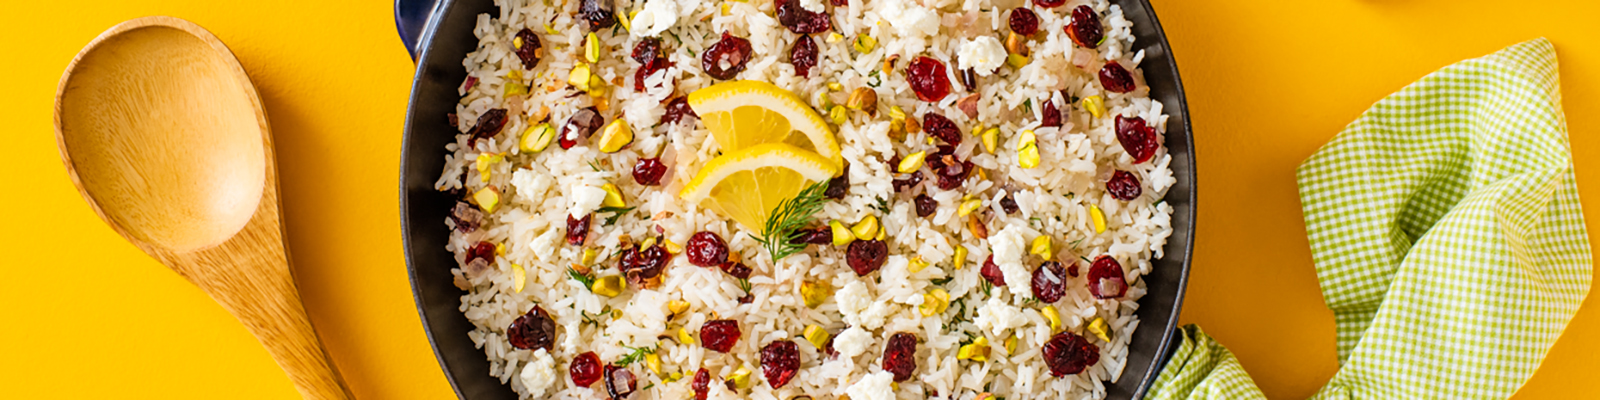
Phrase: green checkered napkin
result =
(1447, 235)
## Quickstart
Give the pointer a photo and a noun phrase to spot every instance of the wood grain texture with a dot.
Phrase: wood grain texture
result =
(164, 135)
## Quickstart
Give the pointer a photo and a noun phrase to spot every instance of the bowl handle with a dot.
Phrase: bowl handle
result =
(412, 18)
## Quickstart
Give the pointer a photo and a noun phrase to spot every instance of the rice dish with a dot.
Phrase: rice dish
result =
(1050, 197)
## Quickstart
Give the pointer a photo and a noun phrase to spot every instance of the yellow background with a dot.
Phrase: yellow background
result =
(86, 315)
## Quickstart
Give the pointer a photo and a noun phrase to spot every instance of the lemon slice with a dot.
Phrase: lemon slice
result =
(746, 185)
(741, 114)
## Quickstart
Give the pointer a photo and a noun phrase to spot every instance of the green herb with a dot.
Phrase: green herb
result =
(1086, 259)
(1027, 106)
(675, 37)
(636, 355)
(745, 285)
(782, 230)
(616, 213)
(585, 279)
(591, 320)
(1076, 242)
(882, 206)
(877, 80)
(942, 281)
(647, 387)
(984, 283)
(594, 165)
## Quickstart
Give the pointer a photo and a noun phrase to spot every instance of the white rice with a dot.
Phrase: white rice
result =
(1054, 199)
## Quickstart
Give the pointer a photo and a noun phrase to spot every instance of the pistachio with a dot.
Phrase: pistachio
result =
(1041, 247)
(653, 362)
(969, 105)
(864, 99)
(838, 115)
(1053, 316)
(816, 335)
(897, 114)
(684, 337)
(977, 227)
(824, 101)
(864, 43)
(834, 37)
(514, 89)
(897, 129)
(551, 30)
(487, 198)
(740, 378)
(881, 234)
(519, 277)
(486, 162)
(618, 134)
(1027, 150)
(866, 229)
(934, 302)
(978, 350)
(1017, 44)
(579, 77)
(1016, 60)
(841, 234)
(613, 196)
(969, 205)
(591, 48)
(888, 63)
(672, 247)
(678, 306)
(589, 255)
(1011, 345)
(991, 139)
(1096, 105)
(912, 162)
(1099, 218)
(1098, 328)
(537, 138)
(835, 86)
(960, 258)
(609, 285)
(916, 265)
(815, 292)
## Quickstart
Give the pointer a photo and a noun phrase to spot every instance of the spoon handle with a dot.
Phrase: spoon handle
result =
(268, 304)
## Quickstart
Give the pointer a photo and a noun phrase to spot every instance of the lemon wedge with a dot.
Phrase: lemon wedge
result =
(746, 185)
(741, 114)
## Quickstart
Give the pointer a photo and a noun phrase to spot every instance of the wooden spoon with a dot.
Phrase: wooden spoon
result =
(164, 135)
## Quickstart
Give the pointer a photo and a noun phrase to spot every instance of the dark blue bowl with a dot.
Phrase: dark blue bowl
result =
(438, 33)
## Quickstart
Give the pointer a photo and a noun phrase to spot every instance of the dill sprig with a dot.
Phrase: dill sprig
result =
(616, 213)
(791, 215)
(585, 279)
(636, 355)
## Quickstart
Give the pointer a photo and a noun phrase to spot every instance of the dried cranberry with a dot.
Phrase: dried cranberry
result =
(585, 369)
(1106, 279)
(1069, 354)
(720, 335)
(1009, 204)
(484, 250)
(1023, 21)
(1051, 115)
(950, 171)
(839, 185)
(925, 205)
(928, 79)
(803, 55)
(1138, 139)
(814, 236)
(489, 124)
(942, 128)
(598, 13)
(1049, 3)
(1115, 78)
(1049, 282)
(648, 69)
(640, 265)
(747, 298)
(1085, 29)
(840, 3)
(530, 50)
(582, 124)
(991, 272)
(900, 355)
(706, 249)
(701, 384)
(968, 78)
(531, 331)
(646, 51)
(1072, 270)
(466, 216)
(865, 256)
(737, 270)
(1123, 186)
(732, 50)
(800, 20)
(648, 171)
(620, 382)
(455, 120)
(578, 229)
(780, 361)
(677, 108)
(911, 180)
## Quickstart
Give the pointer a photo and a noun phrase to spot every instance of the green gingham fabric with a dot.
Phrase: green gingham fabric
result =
(1447, 236)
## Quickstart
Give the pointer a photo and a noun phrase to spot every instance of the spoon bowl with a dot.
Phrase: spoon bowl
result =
(164, 135)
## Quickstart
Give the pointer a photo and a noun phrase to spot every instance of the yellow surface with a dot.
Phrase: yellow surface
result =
(87, 315)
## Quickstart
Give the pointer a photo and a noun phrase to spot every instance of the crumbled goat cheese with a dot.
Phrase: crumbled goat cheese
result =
(983, 55)
(544, 246)
(860, 308)
(531, 186)
(1009, 248)
(997, 317)
(538, 375)
(656, 17)
(874, 386)
(852, 342)
(586, 199)
(813, 5)
(911, 20)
